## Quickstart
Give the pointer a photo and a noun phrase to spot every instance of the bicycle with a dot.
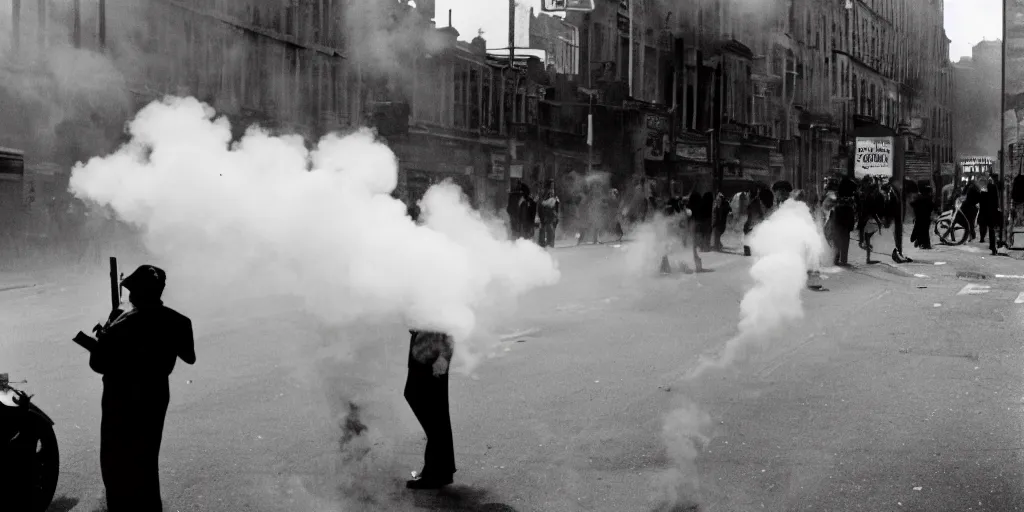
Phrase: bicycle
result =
(952, 225)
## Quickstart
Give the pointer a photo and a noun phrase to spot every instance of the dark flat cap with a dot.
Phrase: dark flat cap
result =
(146, 277)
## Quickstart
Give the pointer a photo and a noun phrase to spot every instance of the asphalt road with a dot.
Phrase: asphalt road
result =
(900, 390)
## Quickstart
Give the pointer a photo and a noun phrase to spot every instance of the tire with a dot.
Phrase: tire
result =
(957, 231)
(45, 465)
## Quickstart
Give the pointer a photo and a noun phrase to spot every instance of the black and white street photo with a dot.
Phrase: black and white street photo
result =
(511, 255)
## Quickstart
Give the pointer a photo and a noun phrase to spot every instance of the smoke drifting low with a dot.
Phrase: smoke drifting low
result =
(785, 246)
(266, 216)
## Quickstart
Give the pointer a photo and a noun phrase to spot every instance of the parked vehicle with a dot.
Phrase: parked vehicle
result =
(29, 459)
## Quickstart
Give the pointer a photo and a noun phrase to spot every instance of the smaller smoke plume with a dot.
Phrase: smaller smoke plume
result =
(654, 240)
(785, 246)
(685, 432)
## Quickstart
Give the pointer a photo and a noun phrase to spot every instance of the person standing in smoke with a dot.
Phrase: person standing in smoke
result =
(844, 219)
(426, 391)
(972, 200)
(135, 353)
(922, 205)
(527, 214)
(549, 211)
(988, 211)
(720, 219)
(514, 200)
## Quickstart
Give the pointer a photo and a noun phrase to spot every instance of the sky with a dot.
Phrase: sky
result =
(491, 16)
(968, 22)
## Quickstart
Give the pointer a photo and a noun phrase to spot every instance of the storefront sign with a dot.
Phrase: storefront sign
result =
(756, 173)
(516, 171)
(498, 165)
(874, 157)
(693, 152)
(947, 169)
(775, 159)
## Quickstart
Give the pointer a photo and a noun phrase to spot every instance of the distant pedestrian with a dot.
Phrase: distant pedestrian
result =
(922, 206)
(426, 391)
(844, 219)
(527, 213)
(720, 220)
(549, 211)
(988, 211)
(515, 196)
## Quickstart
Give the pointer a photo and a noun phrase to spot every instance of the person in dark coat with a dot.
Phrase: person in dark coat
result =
(844, 219)
(426, 391)
(970, 206)
(922, 206)
(720, 220)
(515, 196)
(988, 212)
(693, 203)
(135, 353)
(527, 214)
(549, 211)
(707, 206)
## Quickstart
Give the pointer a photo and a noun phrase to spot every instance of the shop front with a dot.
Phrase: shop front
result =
(422, 164)
(692, 168)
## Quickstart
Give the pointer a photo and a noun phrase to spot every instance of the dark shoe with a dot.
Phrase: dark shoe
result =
(429, 482)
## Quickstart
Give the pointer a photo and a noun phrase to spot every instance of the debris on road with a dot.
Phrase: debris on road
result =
(937, 305)
(917, 488)
(970, 275)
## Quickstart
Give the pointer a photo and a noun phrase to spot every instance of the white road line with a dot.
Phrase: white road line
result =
(1020, 299)
(1009, 277)
(974, 289)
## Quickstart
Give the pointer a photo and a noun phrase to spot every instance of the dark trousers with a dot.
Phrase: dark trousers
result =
(130, 434)
(841, 241)
(547, 235)
(971, 214)
(991, 227)
(921, 236)
(427, 396)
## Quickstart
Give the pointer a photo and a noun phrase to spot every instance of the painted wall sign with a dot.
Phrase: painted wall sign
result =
(874, 157)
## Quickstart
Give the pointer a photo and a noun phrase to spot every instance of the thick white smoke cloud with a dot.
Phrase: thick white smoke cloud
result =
(265, 216)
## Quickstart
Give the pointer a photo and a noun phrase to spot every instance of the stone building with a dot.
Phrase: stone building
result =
(977, 102)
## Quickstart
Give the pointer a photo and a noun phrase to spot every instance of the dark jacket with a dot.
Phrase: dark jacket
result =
(143, 345)
(426, 347)
(923, 207)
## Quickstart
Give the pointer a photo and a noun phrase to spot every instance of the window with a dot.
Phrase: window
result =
(474, 98)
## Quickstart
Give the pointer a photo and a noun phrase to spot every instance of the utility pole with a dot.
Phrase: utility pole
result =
(514, 91)
(590, 95)
(1002, 124)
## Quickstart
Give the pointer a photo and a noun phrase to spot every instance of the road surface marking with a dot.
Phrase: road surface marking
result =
(975, 289)
(1009, 277)
(1020, 299)
(920, 275)
(940, 263)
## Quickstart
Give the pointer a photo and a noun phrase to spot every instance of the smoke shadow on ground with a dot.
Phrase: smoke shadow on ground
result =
(62, 504)
(459, 498)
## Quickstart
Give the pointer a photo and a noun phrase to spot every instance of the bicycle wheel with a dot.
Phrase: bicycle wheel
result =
(957, 232)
